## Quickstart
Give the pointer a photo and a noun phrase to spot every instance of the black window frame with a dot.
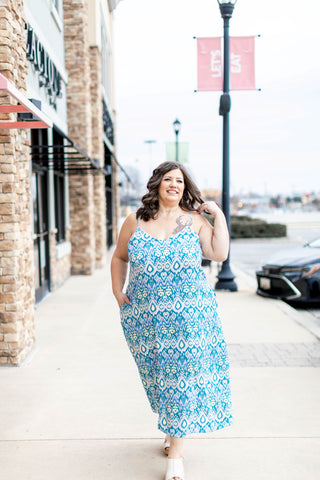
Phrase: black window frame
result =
(59, 187)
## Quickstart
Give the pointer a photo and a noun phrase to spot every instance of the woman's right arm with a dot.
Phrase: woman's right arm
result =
(119, 262)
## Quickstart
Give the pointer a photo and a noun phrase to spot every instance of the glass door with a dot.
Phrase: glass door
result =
(109, 196)
(39, 182)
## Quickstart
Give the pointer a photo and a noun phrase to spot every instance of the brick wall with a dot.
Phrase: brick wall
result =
(79, 128)
(98, 153)
(16, 246)
(116, 202)
(59, 267)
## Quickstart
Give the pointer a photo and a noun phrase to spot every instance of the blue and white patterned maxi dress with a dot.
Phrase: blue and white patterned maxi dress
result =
(174, 334)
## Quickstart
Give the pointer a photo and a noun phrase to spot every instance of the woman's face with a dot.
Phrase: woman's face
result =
(171, 186)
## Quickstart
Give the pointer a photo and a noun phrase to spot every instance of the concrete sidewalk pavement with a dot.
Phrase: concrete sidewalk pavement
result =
(76, 408)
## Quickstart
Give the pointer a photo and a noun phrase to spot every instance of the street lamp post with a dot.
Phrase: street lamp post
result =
(225, 276)
(176, 127)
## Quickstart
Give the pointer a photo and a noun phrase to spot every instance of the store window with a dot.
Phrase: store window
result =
(109, 195)
(59, 188)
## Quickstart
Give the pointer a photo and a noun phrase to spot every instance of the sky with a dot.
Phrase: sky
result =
(274, 133)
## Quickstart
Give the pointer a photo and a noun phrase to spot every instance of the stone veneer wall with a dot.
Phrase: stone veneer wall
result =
(100, 220)
(98, 153)
(79, 130)
(16, 245)
(116, 201)
(59, 267)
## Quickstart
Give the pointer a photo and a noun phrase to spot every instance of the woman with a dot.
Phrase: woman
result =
(168, 312)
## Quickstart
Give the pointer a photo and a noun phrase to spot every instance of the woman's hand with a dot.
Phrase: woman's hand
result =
(212, 208)
(122, 299)
(214, 239)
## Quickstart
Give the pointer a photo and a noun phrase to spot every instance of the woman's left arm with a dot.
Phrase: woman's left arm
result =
(214, 240)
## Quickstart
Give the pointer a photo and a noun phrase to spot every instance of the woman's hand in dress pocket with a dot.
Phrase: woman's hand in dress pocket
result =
(122, 299)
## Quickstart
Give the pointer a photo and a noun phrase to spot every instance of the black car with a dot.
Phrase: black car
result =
(292, 275)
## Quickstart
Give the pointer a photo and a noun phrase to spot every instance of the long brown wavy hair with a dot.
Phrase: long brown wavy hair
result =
(150, 202)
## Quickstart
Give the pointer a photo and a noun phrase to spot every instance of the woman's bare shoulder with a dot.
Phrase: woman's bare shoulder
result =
(194, 221)
(130, 222)
(132, 217)
(197, 218)
(198, 221)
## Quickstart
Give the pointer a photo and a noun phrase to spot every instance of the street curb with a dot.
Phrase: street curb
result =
(252, 284)
(303, 318)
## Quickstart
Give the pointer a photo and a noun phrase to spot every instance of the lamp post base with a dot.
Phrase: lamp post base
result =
(226, 279)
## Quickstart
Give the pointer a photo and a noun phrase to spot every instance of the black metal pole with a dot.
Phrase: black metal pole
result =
(177, 147)
(225, 276)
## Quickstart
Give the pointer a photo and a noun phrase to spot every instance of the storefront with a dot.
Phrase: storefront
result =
(59, 203)
(47, 81)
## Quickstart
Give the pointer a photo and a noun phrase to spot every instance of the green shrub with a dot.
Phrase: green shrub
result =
(255, 228)
(247, 227)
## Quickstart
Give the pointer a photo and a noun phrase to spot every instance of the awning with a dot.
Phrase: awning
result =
(121, 168)
(70, 158)
(67, 158)
(63, 158)
(24, 106)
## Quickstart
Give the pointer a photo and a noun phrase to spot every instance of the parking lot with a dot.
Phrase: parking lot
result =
(250, 254)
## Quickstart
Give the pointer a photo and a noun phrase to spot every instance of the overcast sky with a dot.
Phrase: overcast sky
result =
(274, 134)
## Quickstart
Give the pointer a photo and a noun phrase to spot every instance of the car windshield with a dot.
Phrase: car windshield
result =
(315, 243)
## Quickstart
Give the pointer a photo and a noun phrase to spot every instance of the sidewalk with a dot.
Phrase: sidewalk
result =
(75, 410)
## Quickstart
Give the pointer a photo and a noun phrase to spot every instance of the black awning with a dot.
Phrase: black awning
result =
(121, 168)
(65, 157)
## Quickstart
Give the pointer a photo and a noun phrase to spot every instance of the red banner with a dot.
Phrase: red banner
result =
(210, 63)
(242, 63)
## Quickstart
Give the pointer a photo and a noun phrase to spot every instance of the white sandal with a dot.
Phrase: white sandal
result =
(175, 469)
(166, 444)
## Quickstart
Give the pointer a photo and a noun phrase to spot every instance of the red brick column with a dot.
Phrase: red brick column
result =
(79, 130)
(16, 245)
